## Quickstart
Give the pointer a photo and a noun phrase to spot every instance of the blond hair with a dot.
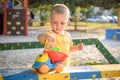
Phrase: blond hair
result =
(60, 9)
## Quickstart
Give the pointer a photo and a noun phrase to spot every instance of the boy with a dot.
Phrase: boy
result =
(57, 37)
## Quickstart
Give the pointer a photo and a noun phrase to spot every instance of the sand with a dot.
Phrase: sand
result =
(25, 58)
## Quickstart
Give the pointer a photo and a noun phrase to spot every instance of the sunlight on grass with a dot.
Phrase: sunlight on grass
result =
(91, 24)
(74, 62)
(81, 24)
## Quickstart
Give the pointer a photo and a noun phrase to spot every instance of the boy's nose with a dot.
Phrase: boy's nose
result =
(58, 26)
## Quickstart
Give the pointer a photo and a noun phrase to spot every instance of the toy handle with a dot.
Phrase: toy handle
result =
(56, 49)
(53, 49)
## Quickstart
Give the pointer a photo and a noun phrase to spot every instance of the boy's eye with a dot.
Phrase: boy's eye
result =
(54, 22)
(62, 23)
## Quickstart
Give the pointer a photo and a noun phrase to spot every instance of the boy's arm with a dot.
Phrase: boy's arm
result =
(76, 48)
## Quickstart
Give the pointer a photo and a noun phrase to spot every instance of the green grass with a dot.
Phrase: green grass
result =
(75, 62)
(93, 24)
(92, 63)
(82, 24)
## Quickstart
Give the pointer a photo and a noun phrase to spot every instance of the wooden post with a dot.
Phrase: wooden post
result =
(118, 16)
(75, 20)
(4, 22)
(26, 16)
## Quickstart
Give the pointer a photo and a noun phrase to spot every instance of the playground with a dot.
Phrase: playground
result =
(24, 58)
(19, 47)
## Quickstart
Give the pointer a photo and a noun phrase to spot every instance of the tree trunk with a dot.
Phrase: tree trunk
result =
(75, 24)
(119, 17)
(75, 20)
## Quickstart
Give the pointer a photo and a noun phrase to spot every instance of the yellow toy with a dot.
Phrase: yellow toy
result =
(50, 60)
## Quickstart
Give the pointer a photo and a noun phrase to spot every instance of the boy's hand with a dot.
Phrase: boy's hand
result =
(80, 46)
(51, 38)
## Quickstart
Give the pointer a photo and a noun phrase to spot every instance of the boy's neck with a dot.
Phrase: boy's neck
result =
(62, 33)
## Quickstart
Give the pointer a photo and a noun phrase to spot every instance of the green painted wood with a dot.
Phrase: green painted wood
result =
(99, 46)
(89, 41)
(106, 53)
(20, 45)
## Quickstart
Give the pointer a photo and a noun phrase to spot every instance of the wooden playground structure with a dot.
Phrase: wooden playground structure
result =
(15, 17)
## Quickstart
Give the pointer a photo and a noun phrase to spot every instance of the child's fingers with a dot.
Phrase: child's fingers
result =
(51, 38)
(80, 46)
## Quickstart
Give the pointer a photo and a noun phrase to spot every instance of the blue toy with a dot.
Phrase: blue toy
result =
(50, 60)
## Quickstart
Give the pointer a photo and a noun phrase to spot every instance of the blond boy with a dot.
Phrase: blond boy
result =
(57, 37)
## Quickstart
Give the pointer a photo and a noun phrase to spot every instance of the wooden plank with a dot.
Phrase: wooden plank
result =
(55, 76)
(19, 74)
(82, 72)
(20, 45)
(69, 73)
(1, 78)
(108, 71)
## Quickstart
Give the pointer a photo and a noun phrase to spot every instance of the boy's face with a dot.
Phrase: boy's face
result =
(59, 22)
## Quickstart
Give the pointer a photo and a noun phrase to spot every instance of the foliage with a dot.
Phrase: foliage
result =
(113, 11)
(85, 5)
(72, 4)
(37, 3)
(102, 3)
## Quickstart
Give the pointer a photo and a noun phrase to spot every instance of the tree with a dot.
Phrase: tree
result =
(72, 4)
(105, 4)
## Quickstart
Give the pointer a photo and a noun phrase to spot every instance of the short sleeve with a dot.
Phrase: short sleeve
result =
(69, 36)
